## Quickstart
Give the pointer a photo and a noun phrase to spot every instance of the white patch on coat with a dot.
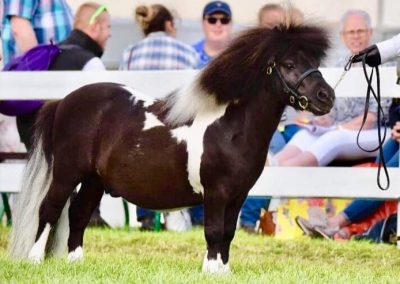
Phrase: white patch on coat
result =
(138, 96)
(36, 254)
(215, 266)
(151, 121)
(194, 136)
(76, 255)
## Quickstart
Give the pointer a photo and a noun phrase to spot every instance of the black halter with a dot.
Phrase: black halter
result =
(295, 97)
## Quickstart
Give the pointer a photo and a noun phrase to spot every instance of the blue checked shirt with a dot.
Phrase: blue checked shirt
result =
(51, 20)
(158, 51)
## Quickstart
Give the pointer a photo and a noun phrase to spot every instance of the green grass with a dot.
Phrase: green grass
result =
(117, 256)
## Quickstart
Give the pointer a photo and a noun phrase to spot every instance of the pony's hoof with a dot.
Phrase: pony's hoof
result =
(76, 255)
(35, 258)
(215, 266)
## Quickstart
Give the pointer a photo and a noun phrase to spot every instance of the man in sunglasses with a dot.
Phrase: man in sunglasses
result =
(217, 28)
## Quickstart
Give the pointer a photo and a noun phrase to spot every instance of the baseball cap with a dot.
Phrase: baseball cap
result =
(217, 6)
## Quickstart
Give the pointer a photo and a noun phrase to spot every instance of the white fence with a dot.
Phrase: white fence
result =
(338, 182)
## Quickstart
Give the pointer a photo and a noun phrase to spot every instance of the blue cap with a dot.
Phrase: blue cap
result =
(217, 6)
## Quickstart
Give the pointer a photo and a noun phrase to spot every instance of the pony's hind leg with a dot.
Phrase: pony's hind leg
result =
(81, 209)
(49, 213)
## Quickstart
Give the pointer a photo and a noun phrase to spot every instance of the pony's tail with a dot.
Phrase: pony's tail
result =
(34, 185)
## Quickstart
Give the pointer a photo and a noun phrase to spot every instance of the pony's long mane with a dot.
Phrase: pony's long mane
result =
(240, 70)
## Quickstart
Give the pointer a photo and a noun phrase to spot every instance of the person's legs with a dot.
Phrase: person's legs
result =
(390, 153)
(295, 147)
(290, 131)
(277, 142)
(197, 215)
(356, 211)
(146, 217)
(295, 154)
(251, 210)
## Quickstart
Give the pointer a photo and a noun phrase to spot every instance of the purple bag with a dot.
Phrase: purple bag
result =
(38, 58)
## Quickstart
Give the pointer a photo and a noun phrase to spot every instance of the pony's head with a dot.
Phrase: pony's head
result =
(283, 60)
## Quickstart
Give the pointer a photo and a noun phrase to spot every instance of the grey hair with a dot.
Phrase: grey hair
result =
(355, 12)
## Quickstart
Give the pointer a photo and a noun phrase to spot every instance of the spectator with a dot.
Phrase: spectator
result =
(333, 136)
(217, 28)
(270, 15)
(27, 23)
(159, 50)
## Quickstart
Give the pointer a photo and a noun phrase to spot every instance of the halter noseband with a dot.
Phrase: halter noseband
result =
(302, 101)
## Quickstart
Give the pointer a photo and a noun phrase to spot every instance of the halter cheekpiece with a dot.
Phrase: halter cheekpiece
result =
(294, 97)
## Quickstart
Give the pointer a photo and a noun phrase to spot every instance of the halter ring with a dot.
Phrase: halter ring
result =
(270, 68)
(303, 102)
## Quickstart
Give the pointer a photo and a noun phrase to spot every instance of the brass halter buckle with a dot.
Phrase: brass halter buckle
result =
(303, 102)
(270, 68)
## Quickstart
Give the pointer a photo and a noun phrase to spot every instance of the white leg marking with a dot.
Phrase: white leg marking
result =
(36, 254)
(76, 255)
(138, 96)
(151, 121)
(215, 265)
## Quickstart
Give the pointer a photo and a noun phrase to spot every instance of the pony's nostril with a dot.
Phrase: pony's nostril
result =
(322, 95)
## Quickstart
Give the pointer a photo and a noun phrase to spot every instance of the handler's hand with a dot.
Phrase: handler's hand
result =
(373, 57)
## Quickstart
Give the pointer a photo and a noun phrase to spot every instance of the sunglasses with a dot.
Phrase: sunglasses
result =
(214, 20)
(97, 13)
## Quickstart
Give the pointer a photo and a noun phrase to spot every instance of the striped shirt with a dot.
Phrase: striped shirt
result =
(50, 19)
(158, 51)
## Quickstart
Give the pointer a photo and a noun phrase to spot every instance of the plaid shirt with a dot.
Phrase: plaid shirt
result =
(51, 20)
(158, 51)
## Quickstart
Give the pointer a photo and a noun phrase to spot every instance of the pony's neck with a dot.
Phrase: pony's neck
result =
(262, 118)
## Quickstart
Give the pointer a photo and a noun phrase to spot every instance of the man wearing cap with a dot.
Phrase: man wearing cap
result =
(217, 28)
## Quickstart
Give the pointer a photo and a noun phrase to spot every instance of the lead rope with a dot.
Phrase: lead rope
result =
(377, 96)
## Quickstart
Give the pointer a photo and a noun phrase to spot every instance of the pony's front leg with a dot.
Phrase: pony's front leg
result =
(231, 217)
(215, 260)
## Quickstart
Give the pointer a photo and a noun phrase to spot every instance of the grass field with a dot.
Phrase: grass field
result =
(118, 256)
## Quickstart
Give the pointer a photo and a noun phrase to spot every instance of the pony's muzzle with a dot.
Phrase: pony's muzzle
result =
(323, 96)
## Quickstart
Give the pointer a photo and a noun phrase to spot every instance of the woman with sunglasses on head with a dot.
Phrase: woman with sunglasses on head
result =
(217, 28)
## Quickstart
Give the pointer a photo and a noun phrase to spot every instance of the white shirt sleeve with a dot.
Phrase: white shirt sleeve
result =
(94, 64)
(389, 49)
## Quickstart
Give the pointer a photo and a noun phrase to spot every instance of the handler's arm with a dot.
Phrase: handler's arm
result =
(389, 49)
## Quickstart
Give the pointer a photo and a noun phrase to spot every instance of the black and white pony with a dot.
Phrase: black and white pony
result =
(206, 143)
